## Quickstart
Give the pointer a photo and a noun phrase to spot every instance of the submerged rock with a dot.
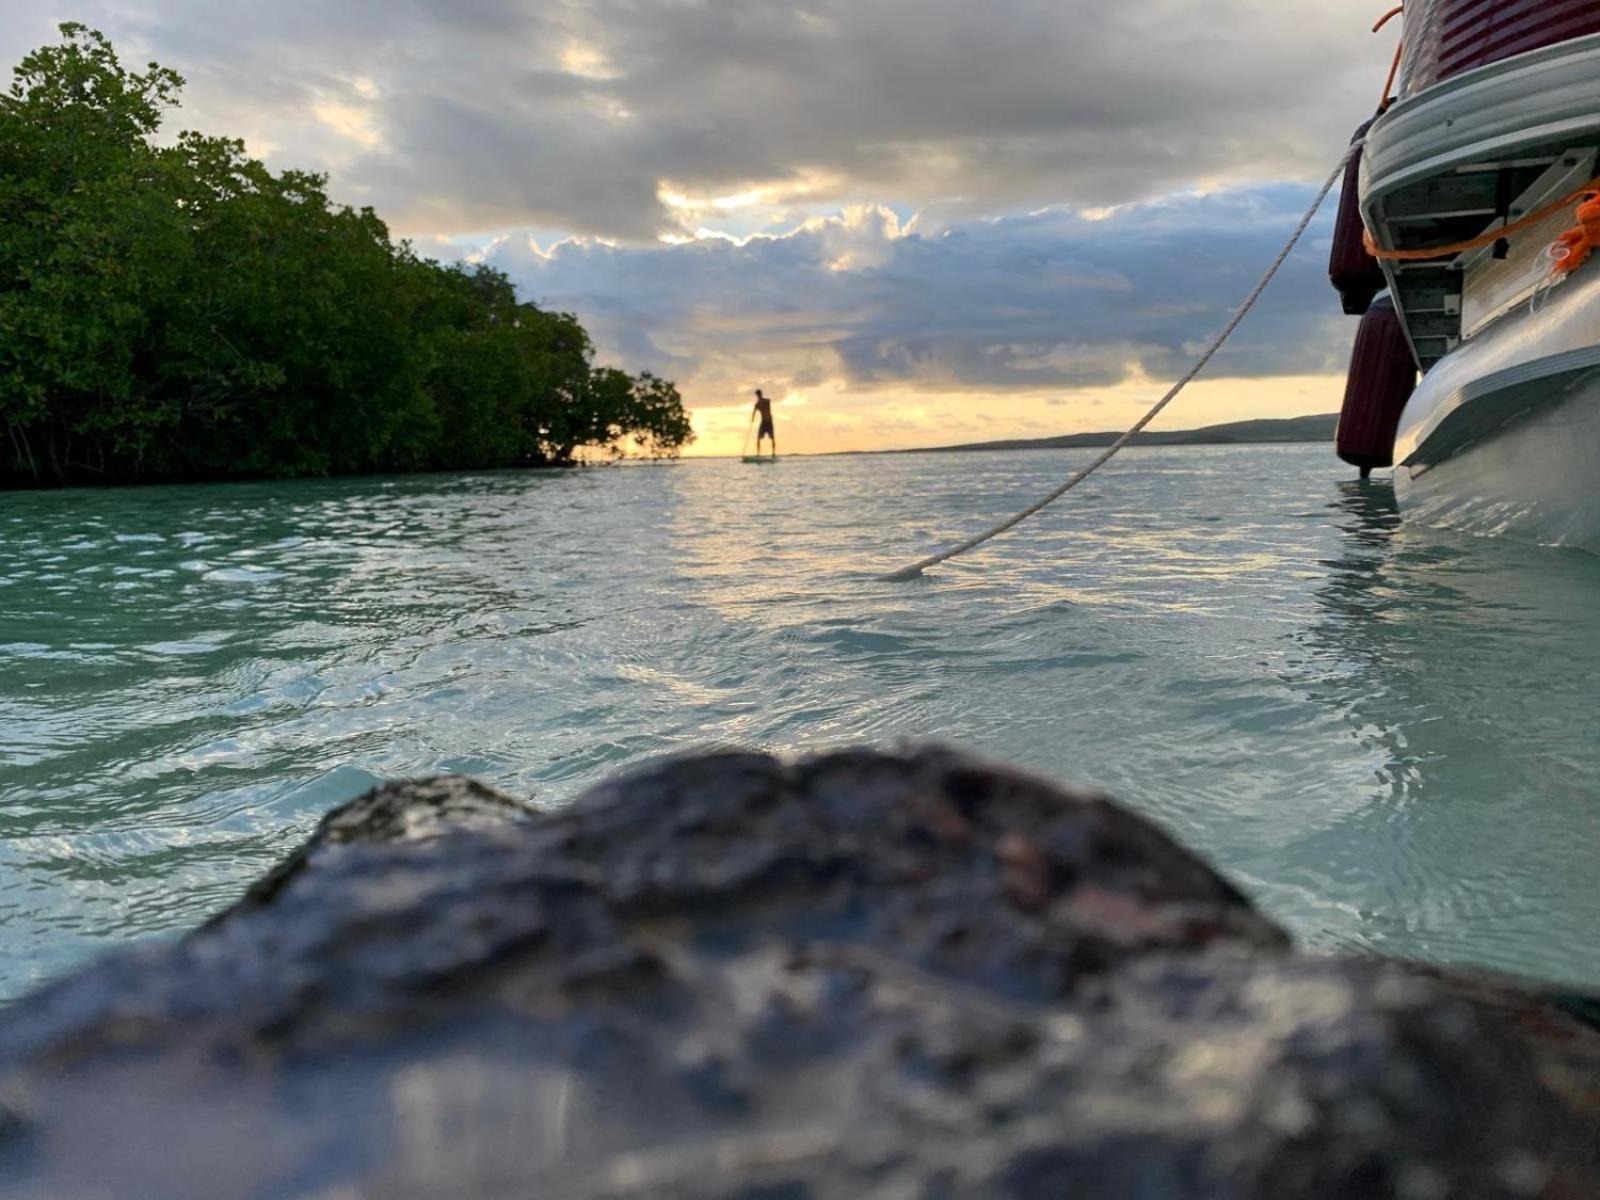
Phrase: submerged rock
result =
(859, 975)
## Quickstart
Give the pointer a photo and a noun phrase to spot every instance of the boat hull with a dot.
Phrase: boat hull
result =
(1535, 480)
(1503, 435)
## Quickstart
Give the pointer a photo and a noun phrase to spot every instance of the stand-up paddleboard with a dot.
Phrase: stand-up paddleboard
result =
(754, 458)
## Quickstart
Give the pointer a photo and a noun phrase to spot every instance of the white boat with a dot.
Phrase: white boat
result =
(1496, 128)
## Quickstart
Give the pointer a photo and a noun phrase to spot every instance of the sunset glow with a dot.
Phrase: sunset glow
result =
(931, 231)
(827, 418)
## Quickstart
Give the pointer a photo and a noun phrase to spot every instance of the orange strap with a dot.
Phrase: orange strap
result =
(1483, 239)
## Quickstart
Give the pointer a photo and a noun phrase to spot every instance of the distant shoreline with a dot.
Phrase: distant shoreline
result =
(1269, 432)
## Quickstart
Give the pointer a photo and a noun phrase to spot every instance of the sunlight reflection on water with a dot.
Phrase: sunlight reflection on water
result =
(1386, 735)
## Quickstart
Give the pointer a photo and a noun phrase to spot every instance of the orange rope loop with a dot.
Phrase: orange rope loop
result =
(1484, 239)
(1389, 16)
(1573, 248)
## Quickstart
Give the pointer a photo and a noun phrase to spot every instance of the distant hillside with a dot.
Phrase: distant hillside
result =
(1294, 429)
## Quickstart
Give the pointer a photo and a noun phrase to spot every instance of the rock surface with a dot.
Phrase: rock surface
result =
(893, 977)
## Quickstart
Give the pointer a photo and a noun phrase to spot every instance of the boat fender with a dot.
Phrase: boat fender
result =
(1353, 271)
(1382, 377)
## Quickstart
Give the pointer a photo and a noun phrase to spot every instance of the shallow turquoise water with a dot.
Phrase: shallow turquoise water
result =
(1387, 735)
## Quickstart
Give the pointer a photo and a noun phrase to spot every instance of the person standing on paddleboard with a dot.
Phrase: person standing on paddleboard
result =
(764, 409)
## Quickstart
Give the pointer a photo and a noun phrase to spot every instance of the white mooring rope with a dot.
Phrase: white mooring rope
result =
(934, 560)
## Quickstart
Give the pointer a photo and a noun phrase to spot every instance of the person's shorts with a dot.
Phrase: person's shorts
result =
(766, 430)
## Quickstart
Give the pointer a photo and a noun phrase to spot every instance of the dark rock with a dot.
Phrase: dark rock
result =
(855, 976)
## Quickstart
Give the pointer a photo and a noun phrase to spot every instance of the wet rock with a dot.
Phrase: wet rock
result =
(854, 976)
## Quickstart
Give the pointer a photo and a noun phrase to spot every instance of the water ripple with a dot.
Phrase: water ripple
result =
(1386, 735)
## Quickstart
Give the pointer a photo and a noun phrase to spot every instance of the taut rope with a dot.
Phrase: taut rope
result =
(917, 568)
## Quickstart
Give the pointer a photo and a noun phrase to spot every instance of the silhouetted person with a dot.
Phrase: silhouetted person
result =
(764, 407)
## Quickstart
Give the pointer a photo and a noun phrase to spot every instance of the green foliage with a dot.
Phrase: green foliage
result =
(179, 311)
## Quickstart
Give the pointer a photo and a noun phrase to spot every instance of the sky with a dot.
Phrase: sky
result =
(913, 222)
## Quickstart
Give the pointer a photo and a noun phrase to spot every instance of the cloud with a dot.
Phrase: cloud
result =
(1049, 300)
(589, 115)
(924, 216)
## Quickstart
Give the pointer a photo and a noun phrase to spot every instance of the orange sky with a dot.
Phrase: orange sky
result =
(830, 417)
